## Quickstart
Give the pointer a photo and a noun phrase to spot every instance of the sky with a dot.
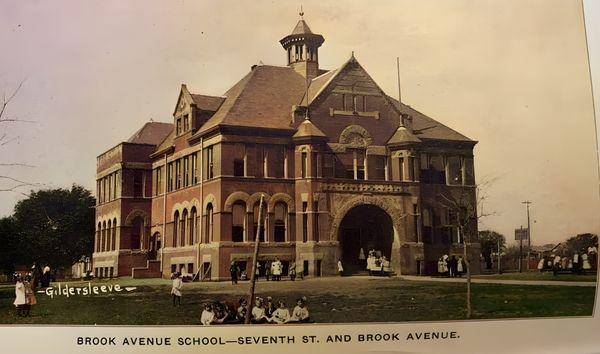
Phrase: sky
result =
(511, 74)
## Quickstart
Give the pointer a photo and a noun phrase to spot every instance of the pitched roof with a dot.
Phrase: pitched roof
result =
(425, 127)
(207, 103)
(307, 129)
(301, 28)
(403, 136)
(152, 133)
(263, 98)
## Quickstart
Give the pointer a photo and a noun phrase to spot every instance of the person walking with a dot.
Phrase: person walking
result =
(234, 270)
(176, 289)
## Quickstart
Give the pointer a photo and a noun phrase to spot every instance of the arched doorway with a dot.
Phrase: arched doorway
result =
(366, 227)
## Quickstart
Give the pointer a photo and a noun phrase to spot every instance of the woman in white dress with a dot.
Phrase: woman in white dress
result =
(20, 300)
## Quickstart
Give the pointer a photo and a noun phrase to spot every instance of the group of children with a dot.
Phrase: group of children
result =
(450, 266)
(583, 261)
(262, 312)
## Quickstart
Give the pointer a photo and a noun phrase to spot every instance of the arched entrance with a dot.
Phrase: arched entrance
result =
(368, 227)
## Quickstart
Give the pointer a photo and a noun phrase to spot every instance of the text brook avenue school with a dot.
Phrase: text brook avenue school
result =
(344, 169)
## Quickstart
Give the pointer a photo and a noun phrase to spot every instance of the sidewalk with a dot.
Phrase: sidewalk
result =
(500, 281)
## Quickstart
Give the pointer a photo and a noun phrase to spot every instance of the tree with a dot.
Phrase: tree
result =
(55, 226)
(581, 242)
(489, 244)
(466, 206)
(9, 245)
(10, 183)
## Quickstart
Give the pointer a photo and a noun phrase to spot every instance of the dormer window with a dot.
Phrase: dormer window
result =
(186, 123)
(178, 126)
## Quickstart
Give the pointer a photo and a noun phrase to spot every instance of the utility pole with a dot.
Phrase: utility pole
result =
(527, 202)
(521, 251)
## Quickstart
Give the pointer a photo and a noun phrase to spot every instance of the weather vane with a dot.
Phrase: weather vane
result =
(301, 12)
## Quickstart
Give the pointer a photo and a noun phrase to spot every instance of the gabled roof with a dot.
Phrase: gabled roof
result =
(425, 127)
(207, 103)
(152, 133)
(403, 136)
(301, 28)
(262, 99)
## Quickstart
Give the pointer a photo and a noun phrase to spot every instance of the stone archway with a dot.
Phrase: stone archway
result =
(365, 227)
(386, 211)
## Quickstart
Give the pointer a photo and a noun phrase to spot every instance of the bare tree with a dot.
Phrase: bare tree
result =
(9, 183)
(466, 205)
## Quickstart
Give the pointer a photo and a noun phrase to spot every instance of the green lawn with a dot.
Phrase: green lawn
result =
(539, 276)
(350, 299)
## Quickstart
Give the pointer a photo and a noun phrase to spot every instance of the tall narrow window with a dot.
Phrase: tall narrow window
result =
(108, 235)
(98, 237)
(186, 172)
(193, 161)
(186, 123)
(304, 161)
(175, 228)
(316, 221)
(209, 162)
(113, 241)
(183, 233)
(360, 165)
(328, 166)
(170, 177)
(410, 169)
(178, 174)
(178, 125)
(280, 214)
(401, 169)
(304, 221)
(208, 226)
(192, 233)
(238, 215)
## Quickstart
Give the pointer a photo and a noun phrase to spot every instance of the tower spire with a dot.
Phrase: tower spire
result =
(301, 13)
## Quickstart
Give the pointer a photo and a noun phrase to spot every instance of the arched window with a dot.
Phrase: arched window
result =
(103, 244)
(192, 238)
(98, 236)
(108, 235)
(208, 226)
(280, 221)
(113, 243)
(137, 231)
(184, 219)
(255, 213)
(175, 228)
(238, 214)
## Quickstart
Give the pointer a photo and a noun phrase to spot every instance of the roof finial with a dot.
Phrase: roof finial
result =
(301, 12)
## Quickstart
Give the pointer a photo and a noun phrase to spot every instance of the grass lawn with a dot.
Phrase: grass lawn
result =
(349, 299)
(539, 276)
